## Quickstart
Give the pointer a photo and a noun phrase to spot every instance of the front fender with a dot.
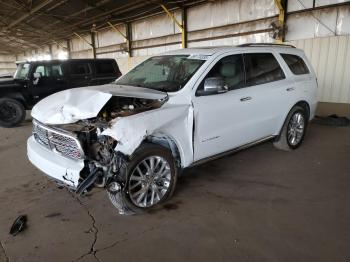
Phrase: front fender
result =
(176, 121)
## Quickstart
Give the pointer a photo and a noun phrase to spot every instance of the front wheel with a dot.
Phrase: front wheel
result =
(12, 112)
(293, 130)
(151, 176)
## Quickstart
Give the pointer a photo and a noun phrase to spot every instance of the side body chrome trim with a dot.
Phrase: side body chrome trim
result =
(207, 159)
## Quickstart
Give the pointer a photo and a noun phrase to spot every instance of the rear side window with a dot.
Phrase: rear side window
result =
(104, 68)
(262, 68)
(296, 64)
(56, 70)
(80, 68)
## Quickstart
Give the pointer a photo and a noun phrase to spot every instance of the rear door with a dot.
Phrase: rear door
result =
(106, 71)
(267, 87)
(80, 73)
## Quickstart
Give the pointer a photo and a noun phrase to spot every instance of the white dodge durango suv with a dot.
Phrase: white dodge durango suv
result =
(171, 112)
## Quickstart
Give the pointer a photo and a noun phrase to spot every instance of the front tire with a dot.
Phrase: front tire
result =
(12, 112)
(293, 130)
(151, 176)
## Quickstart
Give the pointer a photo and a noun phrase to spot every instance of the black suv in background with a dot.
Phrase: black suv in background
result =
(35, 80)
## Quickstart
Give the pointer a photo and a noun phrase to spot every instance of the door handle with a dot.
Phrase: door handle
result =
(290, 89)
(245, 98)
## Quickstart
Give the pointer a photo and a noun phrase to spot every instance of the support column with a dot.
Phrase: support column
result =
(282, 6)
(129, 38)
(50, 51)
(181, 26)
(184, 27)
(93, 43)
(68, 49)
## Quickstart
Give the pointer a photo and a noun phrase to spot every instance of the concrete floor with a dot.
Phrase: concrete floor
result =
(260, 204)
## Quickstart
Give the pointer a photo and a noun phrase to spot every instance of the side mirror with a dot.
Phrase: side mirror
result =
(36, 77)
(213, 85)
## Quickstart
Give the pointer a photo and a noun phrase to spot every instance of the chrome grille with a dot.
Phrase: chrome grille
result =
(65, 144)
(40, 135)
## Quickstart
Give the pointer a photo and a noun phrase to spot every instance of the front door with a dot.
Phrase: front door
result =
(51, 80)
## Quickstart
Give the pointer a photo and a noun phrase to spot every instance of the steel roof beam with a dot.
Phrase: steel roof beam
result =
(31, 12)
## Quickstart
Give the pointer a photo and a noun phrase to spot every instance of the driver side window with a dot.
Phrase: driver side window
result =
(49, 70)
(231, 70)
(43, 70)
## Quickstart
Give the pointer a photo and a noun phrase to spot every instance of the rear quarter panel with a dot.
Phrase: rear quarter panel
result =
(305, 86)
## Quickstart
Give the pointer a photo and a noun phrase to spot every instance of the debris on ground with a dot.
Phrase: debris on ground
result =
(56, 214)
(332, 120)
(18, 225)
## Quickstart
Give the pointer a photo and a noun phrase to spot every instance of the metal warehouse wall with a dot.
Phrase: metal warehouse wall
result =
(209, 24)
(7, 64)
(330, 57)
(323, 34)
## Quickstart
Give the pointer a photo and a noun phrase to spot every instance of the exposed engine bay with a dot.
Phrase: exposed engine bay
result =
(103, 165)
(100, 136)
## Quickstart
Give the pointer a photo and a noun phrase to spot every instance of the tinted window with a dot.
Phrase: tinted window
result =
(22, 71)
(296, 64)
(80, 69)
(42, 70)
(104, 68)
(262, 68)
(56, 70)
(231, 70)
(49, 70)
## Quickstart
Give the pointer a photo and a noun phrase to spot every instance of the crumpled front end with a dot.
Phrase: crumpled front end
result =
(63, 170)
(86, 146)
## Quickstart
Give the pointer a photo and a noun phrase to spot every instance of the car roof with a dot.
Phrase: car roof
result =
(65, 61)
(208, 51)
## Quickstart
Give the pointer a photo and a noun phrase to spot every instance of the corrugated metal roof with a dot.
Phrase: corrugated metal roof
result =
(30, 24)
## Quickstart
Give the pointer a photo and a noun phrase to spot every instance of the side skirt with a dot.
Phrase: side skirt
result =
(204, 160)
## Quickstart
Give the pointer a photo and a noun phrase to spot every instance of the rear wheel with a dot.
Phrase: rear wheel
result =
(12, 112)
(293, 130)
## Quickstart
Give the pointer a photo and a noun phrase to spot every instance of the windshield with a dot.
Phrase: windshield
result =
(22, 71)
(164, 73)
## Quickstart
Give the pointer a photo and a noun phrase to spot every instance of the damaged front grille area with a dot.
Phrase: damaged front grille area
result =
(59, 142)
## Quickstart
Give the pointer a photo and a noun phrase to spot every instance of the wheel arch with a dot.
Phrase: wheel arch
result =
(302, 103)
(18, 97)
(168, 142)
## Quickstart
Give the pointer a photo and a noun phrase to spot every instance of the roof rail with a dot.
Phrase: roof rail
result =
(266, 44)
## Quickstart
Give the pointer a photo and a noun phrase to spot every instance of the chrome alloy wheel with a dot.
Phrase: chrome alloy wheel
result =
(149, 181)
(296, 128)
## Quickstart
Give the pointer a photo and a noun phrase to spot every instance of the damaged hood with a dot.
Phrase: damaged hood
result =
(76, 104)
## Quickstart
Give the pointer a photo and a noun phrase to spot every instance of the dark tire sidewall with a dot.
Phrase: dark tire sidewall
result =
(20, 113)
(291, 114)
(147, 150)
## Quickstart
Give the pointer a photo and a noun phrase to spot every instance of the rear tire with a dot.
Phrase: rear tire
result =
(12, 112)
(293, 130)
